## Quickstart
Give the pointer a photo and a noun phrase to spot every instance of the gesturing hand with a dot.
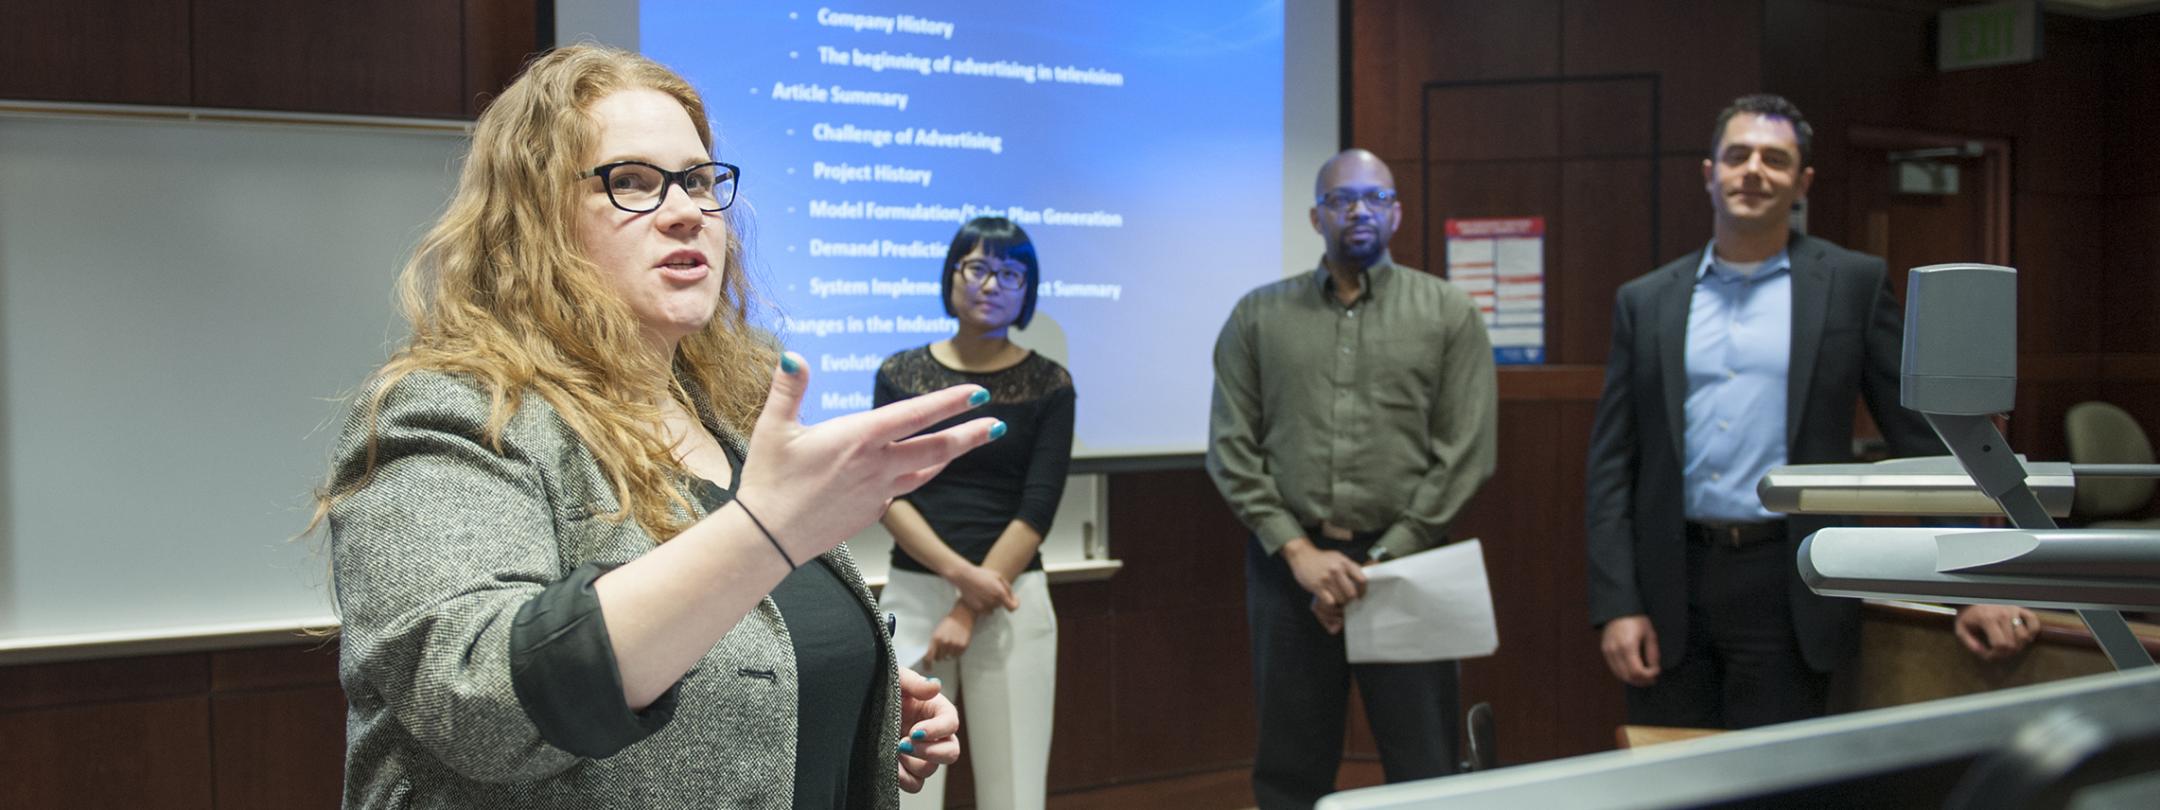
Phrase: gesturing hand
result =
(813, 487)
(929, 728)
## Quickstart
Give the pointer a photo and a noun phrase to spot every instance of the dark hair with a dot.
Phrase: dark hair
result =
(1000, 238)
(1768, 106)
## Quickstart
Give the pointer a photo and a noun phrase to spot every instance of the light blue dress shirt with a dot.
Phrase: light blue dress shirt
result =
(1739, 343)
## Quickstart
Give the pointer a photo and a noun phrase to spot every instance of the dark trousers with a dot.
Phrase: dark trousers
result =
(1301, 677)
(1743, 667)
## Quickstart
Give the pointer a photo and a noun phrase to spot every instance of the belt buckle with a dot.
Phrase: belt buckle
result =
(1732, 535)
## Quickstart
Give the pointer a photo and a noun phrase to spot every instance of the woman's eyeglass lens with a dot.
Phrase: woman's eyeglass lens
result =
(640, 187)
(1007, 278)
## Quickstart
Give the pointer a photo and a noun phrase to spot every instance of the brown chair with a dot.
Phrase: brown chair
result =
(2101, 433)
(1478, 728)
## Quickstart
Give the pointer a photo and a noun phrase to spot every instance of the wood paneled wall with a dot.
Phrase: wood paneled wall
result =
(422, 58)
(2083, 189)
(1592, 114)
(2129, 270)
(236, 730)
(1154, 679)
(1597, 115)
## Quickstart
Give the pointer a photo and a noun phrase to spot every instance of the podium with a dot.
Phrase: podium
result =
(2030, 746)
(1901, 757)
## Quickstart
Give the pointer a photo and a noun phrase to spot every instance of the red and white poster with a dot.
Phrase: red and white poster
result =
(1500, 262)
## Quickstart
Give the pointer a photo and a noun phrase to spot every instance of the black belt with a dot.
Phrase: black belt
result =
(1736, 535)
(1360, 541)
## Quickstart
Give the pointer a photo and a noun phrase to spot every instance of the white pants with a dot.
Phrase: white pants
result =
(1010, 674)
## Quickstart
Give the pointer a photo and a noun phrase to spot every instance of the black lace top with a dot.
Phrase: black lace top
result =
(1019, 476)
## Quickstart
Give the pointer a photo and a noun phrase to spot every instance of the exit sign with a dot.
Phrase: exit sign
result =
(1987, 35)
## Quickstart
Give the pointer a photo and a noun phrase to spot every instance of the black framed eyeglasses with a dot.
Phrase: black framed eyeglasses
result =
(1009, 276)
(639, 187)
(1341, 198)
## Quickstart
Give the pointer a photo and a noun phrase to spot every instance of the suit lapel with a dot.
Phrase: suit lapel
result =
(1810, 299)
(1672, 315)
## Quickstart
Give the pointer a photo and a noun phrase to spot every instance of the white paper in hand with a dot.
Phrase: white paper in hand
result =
(1430, 606)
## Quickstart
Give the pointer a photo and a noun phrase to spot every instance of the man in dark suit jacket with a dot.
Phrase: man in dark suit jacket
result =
(1738, 358)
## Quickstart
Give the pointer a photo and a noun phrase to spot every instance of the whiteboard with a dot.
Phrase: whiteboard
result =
(183, 307)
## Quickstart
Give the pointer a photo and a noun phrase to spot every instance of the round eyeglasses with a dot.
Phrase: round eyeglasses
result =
(639, 187)
(1010, 276)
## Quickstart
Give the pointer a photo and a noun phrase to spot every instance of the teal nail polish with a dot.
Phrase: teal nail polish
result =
(997, 431)
(907, 746)
(980, 398)
(933, 679)
(918, 734)
(788, 364)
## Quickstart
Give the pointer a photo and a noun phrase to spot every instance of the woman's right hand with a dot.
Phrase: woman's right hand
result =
(932, 727)
(982, 589)
(814, 487)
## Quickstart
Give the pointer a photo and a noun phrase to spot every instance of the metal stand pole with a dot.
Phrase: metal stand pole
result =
(1987, 458)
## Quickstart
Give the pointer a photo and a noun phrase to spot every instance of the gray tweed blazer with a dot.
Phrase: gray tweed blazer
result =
(433, 559)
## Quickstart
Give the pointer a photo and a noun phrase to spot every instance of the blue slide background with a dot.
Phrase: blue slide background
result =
(1189, 152)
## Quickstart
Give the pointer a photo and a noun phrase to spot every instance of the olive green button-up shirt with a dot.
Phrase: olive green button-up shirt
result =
(1377, 416)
